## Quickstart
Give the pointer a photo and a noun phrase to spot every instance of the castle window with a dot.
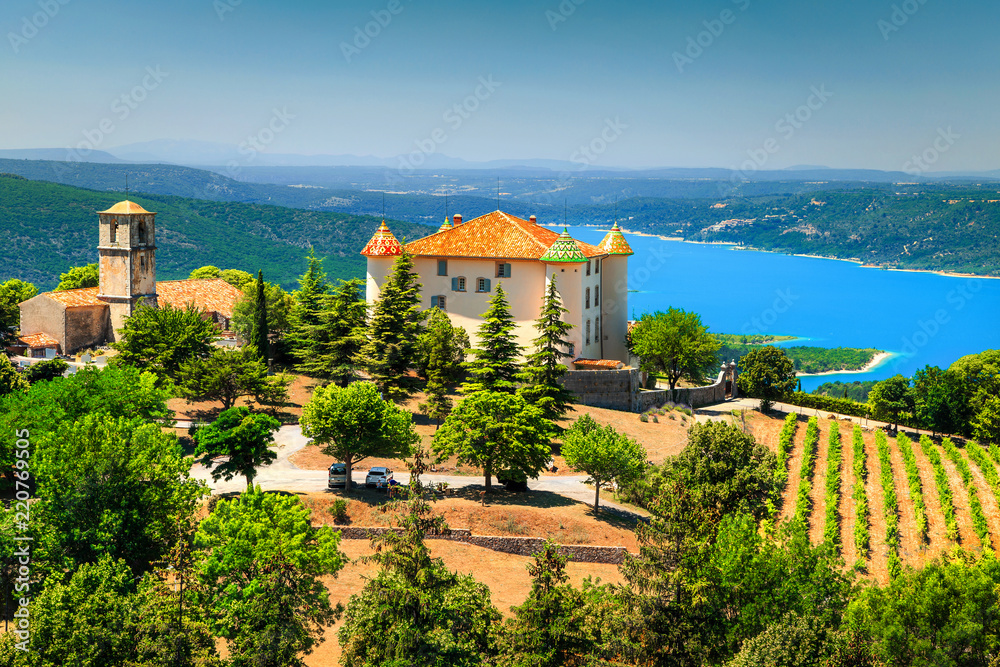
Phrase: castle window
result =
(142, 232)
(114, 232)
(482, 284)
(458, 284)
(597, 329)
(438, 302)
(588, 333)
(597, 266)
(587, 300)
(597, 297)
(503, 270)
(588, 267)
(572, 349)
(142, 262)
(442, 267)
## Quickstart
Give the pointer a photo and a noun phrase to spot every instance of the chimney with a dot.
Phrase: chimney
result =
(457, 219)
(532, 220)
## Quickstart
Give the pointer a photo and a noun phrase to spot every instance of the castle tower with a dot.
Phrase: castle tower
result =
(127, 260)
(614, 305)
(381, 251)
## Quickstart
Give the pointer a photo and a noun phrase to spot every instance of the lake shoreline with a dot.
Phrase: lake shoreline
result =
(874, 363)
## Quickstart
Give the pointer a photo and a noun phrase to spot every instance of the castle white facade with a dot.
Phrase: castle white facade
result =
(462, 263)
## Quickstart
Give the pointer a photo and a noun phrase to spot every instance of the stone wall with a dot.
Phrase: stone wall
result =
(42, 314)
(520, 546)
(86, 326)
(617, 390)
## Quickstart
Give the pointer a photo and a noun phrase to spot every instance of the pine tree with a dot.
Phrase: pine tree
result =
(544, 369)
(258, 335)
(393, 331)
(308, 305)
(441, 341)
(339, 335)
(494, 366)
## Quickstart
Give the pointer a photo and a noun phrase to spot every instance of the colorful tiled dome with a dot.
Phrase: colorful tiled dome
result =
(446, 226)
(382, 244)
(614, 243)
(564, 249)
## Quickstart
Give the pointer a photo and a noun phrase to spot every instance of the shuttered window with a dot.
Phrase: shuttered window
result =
(503, 270)
(438, 302)
(482, 284)
(442, 267)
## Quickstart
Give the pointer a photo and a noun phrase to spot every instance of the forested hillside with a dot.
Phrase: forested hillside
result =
(45, 228)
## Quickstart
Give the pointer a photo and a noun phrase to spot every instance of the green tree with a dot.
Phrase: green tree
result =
(937, 399)
(224, 375)
(109, 487)
(11, 379)
(393, 331)
(237, 278)
(260, 329)
(49, 369)
(675, 344)
(544, 369)
(441, 367)
(494, 366)
(354, 422)
(603, 453)
(498, 432)
(243, 437)
(890, 398)
(159, 340)
(279, 306)
(204, 272)
(768, 374)
(308, 303)
(337, 338)
(260, 561)
(986, 423)
(77, 277)
(457, 345)
(415, 611)
(12, 293)
(548, 630)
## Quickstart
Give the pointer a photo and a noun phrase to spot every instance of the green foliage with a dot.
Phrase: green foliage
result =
(394, 329)
(77, 277)
(916, 486)
(675, 344)
(890, 398)
(258, 333)
(355, 422)
(12, 293)
(110, 487)
(224, 375)
(607, 456)
(986, 423)
(243, 438)
(793, 641)
(985, 466)
(856, 391)
(803, 503)
(494, 366)
(237, 278)
(330, 347)
(458, 344)
(204, 272)
(443, 363)
(786, 440)
(307, 304)
(160, 340)
(809, 359)
(937, 398)
(11, 380)
(831, 529)
(766, 373)
(840, 406)
(889, 501)
(49, 369)
(862, 535)
(498, 432)
(945, 613)
(279, 306)
(944, 489)
(544, 369)
(975, 506)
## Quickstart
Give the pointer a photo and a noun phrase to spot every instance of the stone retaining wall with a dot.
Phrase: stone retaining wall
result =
(520, 546)
(614, 389)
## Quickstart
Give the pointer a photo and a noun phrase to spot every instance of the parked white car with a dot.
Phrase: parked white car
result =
(337, 475)
(378, 477)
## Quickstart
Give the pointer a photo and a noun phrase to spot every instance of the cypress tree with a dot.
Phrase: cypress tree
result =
(544, 368)
(339, 336)
(258, 334)
(494, 366)
(393, 332)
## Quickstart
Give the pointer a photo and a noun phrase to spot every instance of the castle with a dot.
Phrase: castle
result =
(461, 264)
(73, 320)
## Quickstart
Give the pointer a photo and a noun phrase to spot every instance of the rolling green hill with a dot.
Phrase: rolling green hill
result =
(45, 228)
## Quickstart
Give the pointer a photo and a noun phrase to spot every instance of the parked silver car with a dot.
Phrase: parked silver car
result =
(378, 477)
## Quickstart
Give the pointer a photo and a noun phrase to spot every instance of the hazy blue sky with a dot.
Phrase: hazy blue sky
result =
(891, 89)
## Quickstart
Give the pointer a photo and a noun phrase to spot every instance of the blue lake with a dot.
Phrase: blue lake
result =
(922, 318)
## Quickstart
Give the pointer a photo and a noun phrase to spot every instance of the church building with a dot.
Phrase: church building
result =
(79, 319)
(461, 265)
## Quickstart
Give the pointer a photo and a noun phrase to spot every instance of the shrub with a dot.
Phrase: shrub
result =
(643, 418)
(338, 510)
(803, 504)
(916, 487)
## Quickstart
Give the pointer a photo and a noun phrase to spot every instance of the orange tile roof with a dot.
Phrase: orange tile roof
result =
(211, 295)
(495, 234)
(39, 340)
(77, 298)
(125, 207)
(597, 364)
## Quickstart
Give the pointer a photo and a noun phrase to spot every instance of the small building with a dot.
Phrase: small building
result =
(91, 316)
(461, 265)
(36, 346)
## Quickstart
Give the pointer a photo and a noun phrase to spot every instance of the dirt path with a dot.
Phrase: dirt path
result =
(876, 508)
(817, 519)
(989, 500)
(960, 498)
(937, 536)
(910, 543)
(847, 505)
(794, 472)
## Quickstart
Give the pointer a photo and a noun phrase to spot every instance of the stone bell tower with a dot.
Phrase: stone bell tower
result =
(127, 260)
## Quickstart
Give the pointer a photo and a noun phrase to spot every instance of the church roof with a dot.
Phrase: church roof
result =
(382, 244)
(494, 235)
(211, 295)
(126, 208)
(614, 242)
(564, 249)
(39, 340)
(76, 298)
